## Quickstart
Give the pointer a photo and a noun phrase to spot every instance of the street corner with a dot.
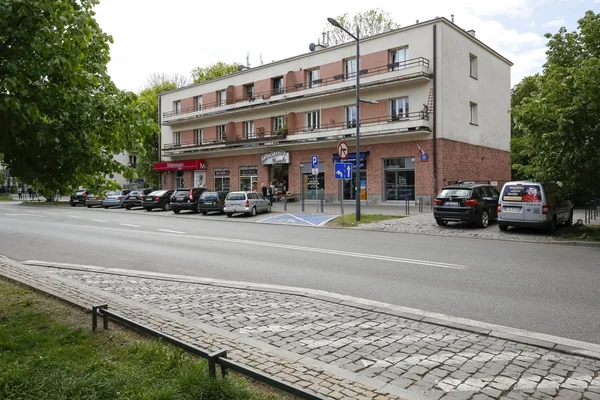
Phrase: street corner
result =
(300, 219)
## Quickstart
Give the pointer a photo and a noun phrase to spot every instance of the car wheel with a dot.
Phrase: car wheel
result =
(204, 212)
(148, 209)
(176, 211)
(229, 215)
(73, 205)
(552, 228)
(503, 227)
(269, 208)
(89, 206)
(253, 211)
(484, 219)
(441, 222)
(106, 207)
(128, 207)
(570, 220)
(167, 206)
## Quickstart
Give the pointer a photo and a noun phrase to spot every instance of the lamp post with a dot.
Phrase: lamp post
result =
(357, 183)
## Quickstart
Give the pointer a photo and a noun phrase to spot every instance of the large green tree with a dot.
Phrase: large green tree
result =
(220, 68)
(561, 116)
(61, 116)
(521, 147)
(369, 23)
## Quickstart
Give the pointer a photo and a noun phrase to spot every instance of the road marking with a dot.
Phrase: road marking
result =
(73, 216)
(98, 220)
(170, 231)
(26, 215)
(133, 226)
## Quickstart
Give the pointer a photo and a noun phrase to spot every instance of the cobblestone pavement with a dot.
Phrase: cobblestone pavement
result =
(425, 224)
(338, 348)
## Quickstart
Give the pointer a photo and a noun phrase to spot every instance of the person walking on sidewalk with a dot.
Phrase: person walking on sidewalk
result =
(270, 191)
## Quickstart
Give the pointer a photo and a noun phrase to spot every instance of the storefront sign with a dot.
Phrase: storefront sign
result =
(183, 165)
(199, 178)
(248, 171)
(222, 171)
(276, 157)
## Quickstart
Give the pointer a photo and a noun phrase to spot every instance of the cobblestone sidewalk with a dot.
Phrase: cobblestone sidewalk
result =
(332, 345)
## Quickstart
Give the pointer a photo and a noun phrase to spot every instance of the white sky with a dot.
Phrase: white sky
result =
(174, 36)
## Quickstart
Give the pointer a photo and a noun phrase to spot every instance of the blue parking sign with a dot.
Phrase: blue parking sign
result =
(315, 161)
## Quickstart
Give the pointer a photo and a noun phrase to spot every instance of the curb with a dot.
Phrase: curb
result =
(550, 342)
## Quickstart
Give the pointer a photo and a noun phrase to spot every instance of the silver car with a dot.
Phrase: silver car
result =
(246, 202)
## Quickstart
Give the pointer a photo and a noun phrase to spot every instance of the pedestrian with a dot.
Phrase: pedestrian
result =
(20, 192)
(30, 192)
(263, 187)
(270, 191)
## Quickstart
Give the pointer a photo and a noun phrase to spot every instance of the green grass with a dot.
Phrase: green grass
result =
(590, 233)
(6, 198)
(47, 351)
(350, 219)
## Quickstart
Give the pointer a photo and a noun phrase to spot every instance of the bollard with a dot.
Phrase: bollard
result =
(586, 213)
(322, 201)
(431, 202)
(420, 204)
(302, 200)
(284, 203)
(407, 211)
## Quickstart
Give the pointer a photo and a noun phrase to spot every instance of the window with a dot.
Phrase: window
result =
(473, 66)
(198, 103)
(350, 68)
(313, 78)
(222, 133)
(278, 85)
(177, 138)
(249, 129)
(198, 136)
(474, 119)
(399, 108)
(398, 58)
(177, 107)
(278, 123)
(250, 92)
(313, 120)
(351, 117)
(132, 160)
(222, 97)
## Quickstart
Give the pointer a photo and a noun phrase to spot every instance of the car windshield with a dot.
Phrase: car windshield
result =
(522, 193)
(158, 193)
(455, 192)
(236, 196)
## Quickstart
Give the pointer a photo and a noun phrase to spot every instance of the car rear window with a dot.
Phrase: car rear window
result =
(522, 193)
(236, 196)
(158, 193)
(455, 192)
(183, 192)
(208, 196)
(114, 193)
(134, 193)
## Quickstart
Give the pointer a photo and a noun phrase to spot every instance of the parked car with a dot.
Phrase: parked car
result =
(115, 198)
(135, 197)
(186, 199)
(211, 201)
(78, 197)
(246, 202)
(534, 205)
(157, 199)
(477, 203)
(92, 200)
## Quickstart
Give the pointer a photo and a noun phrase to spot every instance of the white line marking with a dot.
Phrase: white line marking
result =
(98, 220)
(170, 231)
(26, 215)
(303, 220)
(73, 216)
(134, 226)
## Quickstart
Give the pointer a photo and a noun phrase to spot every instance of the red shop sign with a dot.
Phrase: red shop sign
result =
(183, 165)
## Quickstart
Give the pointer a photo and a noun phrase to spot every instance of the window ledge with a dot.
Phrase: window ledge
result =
(470, 123)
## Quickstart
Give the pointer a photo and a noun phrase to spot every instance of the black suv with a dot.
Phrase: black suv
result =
(135, 197)
(78, 197)
(211, 201)
(473, 202)
(186, 199)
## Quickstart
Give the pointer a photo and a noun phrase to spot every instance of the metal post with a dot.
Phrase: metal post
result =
(586, 213)
(322, 200)
(95, 317)
(212, 362)
(284, 203)
(407, 207)
(357, 124)
(302, 190)
(342, 198)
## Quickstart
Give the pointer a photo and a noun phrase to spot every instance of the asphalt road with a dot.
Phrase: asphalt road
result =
(544, 288)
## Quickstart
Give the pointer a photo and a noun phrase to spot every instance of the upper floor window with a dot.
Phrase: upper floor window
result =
(176, 138)
(222, 97)
(278, 85)
(221, 133)
(177, 107)
(474, 119)
(351, 116)
(398, 58)
(250, 92)
(249, 129)
(198, 136)
(132, 160)
(473, 66)
(313, 120)
(198, 103)
(278, 123)
(350, 68)
(313, 78)
(399, 108)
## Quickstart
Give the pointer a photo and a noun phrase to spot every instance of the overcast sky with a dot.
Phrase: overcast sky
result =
(174, 36)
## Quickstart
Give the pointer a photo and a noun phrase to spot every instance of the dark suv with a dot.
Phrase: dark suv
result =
(476, 203)
(78, 197)
(186, 199)
(135, 197)
(211, 201)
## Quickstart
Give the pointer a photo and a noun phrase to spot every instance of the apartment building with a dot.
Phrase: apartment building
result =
(435, 108)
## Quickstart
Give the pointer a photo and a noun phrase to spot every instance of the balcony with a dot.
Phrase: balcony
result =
(409, 70)
(376, 127)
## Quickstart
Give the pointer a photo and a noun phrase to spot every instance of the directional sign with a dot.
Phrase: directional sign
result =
(343, 171)
(343, 150)
(315, 162)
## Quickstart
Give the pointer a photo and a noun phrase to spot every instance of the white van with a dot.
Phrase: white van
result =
(534, 205)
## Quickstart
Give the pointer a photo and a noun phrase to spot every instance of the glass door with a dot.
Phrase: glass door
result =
(399, 185)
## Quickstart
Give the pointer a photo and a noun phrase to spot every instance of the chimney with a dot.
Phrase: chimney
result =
(471, 32)
(261, 61)
(452, 16)
(417, 21)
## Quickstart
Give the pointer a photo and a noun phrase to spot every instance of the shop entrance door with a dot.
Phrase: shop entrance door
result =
(399, 185)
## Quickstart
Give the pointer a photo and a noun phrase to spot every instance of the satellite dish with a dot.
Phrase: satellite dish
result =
(240, 67)
(312, 47)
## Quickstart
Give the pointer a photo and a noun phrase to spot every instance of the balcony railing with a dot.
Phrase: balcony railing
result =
(383, 125)
(420, 64)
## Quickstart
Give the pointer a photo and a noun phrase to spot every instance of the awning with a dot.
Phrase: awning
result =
(351, 157)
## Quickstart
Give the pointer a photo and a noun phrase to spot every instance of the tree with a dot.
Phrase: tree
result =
(201, 74)
(61, 116)
(561, 118)
(158, 79)
(520, 146)
(370, 23)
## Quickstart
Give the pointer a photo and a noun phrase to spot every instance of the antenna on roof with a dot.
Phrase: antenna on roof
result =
(452, 16)
(248, 60)
(261, 61)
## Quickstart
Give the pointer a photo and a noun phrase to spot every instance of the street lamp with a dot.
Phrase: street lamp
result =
(357, 182)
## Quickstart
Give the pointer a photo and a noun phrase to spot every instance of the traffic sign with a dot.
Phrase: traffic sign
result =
(343, 170)
(315, 171)
(315, 162)
(343, 150)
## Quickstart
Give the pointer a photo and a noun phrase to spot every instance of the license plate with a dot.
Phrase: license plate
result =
(512, 209)
(179, 198)
(451, 203)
